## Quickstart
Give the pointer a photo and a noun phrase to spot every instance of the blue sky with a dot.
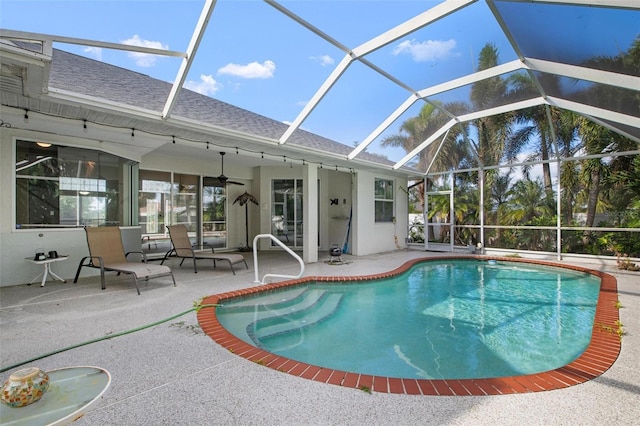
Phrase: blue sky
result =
(254, 57)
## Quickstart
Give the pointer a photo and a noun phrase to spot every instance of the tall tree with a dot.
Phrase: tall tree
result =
(493, 131)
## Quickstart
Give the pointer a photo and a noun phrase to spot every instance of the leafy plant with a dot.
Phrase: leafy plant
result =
(366, 389)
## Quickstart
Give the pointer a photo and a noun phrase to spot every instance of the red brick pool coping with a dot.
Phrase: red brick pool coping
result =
(601, 353)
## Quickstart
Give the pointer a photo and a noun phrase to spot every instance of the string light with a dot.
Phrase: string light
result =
(173, 140)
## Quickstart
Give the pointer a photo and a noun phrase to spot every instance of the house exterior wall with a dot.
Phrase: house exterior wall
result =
(350, 189)
(18, 244)
(370, 236)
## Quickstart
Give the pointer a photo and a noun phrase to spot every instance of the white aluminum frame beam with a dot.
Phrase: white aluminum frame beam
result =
(468, 117)
(196, 37)
(413, 24)
(456, 83)
(86, 42)
(317, 97)
(383, 126)
(625, 81)
(425, 144)
(308, 26)
(592, 111)
(433, 90)
(625, 4)
(422, 20)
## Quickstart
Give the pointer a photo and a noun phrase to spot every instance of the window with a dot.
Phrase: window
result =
(59, 186)
(154, 201)
(384, 200)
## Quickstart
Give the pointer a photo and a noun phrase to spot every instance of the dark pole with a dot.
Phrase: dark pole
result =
(246, 224)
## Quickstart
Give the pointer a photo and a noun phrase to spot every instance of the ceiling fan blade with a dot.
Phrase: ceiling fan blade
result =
(231, 182)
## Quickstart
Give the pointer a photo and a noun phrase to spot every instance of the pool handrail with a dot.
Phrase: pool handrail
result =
(281, 244)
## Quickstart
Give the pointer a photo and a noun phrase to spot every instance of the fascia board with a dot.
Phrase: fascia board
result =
(146, 114)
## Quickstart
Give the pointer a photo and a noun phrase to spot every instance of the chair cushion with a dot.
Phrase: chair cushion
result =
(233, 258)
(139, 269)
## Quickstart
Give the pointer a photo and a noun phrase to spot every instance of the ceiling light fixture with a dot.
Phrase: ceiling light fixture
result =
(84, 126)
(43, 144)
(26, 115)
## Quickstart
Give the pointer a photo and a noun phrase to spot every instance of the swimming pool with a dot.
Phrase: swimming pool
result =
(504, 316)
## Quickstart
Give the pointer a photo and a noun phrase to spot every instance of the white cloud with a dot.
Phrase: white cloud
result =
(144, 59)
(94, 52)
(206, 86)
(323, 60)
(289, 123)
(302, 103)
(429, 50)
(252, 70)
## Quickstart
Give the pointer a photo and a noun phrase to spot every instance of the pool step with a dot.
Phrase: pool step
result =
(315, 308)
(270, 300)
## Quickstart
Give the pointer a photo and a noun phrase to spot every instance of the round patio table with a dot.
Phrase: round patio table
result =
(72, 392)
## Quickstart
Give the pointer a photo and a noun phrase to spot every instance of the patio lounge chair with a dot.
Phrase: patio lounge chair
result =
(106, 252)
(183, 248)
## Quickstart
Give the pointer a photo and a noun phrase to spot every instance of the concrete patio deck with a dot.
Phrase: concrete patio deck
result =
(171, 373)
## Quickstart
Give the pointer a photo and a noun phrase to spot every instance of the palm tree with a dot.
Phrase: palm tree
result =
(529, 206)
(416, 130)
(244, 199)
(534, 123)
(527, 202)
(569, 145)
(494, 132)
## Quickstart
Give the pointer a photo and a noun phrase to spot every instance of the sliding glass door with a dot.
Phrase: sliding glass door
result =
(214, 217)
(287, 221)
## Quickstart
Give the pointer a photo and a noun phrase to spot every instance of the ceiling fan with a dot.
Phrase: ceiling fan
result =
(222, 179)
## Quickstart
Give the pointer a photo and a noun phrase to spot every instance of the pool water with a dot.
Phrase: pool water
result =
(455, 319)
